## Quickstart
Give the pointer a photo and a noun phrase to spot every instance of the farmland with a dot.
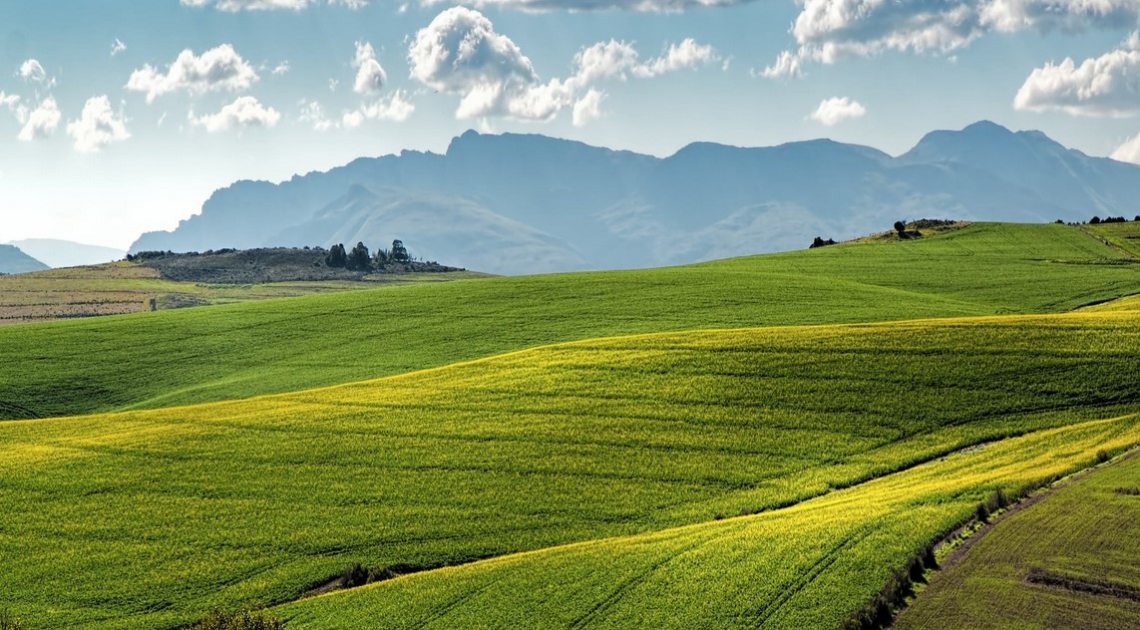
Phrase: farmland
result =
(753, 441)
(122, 287)
(1066, 562)
(160, 515)
(235, 351)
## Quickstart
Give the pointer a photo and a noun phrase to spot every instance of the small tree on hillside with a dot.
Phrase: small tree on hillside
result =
(359, 259)
(337, 256)
(1094, 221)
(399, 253)
(380, 257)
(900, 227)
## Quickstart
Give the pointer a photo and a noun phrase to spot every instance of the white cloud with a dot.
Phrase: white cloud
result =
(332, 84)
(827, 30)
(117, 47)
(31, 70)
(835, 110)
(281, 68)
(394, 108)
(40, 123)
(1129, 151)
(686, 55)
(352, 4)
(244, 112)
(98, 126)
(588, 108)
(312, 113)
(220, 68)
(460, 53)
(11, 101)
(1108, 85)
(788, 64)
(370, 76)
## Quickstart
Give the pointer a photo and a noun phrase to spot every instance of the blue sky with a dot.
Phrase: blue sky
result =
(120, 116)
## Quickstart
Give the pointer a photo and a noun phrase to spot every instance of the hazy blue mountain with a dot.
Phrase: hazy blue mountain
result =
(13, 260)
(515, 203)
(58, 253)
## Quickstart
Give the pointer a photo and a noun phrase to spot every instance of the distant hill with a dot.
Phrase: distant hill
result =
(14, 260)
(528, 203)
(59, 253)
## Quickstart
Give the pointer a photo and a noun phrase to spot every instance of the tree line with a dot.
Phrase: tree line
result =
(360, 259)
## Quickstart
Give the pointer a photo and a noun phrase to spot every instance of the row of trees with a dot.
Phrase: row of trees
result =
(359, 259)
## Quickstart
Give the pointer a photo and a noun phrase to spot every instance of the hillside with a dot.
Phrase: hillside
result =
(242, 350)
(517, 204)
(1068, 562)
(161, 515)
(13, 260)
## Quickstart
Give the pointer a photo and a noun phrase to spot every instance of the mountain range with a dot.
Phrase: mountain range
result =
(13, 260)
(59, 253)
(515, 203)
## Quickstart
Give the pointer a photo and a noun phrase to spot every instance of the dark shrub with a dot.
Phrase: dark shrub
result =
(337, 257)
(355, 575)
(1102, 456)
(1094, 221)
(359, 259)
(900, 226)
(982, 513)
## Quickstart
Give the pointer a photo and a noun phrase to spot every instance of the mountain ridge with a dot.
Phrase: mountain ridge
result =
(529, 203)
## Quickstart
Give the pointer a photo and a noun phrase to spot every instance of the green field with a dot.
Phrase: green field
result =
(747, 442)
(227, 352)
(160, 515)
(1086, 534)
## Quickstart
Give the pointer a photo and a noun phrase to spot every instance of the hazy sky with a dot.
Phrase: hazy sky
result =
(122, 116)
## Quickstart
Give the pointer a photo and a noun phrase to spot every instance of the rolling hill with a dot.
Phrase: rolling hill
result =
(496, 202)
(158, 516)
(234, 351)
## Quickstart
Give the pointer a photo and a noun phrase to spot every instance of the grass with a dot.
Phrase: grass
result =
(1085, 536)
(806, 566)
(122, 287)
(225, 352)
(154, 518)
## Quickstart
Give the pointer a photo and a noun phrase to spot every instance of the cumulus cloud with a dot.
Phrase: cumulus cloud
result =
(31, 70)
(98, 126)
(352, 4)
(1108, 85)
(370, 76)
(588, 108)
(220, 68)
(835, 110)
(117, 47)
(244, 112)
(281, 68)
(40, 123)
(827, 30)
(460, 53)
(684, 56)
(1128, 151)
(394, 108)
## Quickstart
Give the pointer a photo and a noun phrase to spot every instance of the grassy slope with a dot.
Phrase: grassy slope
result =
(225, 352)
(1086, 529)
(122, 287)
(150, 518)
(802, 567)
